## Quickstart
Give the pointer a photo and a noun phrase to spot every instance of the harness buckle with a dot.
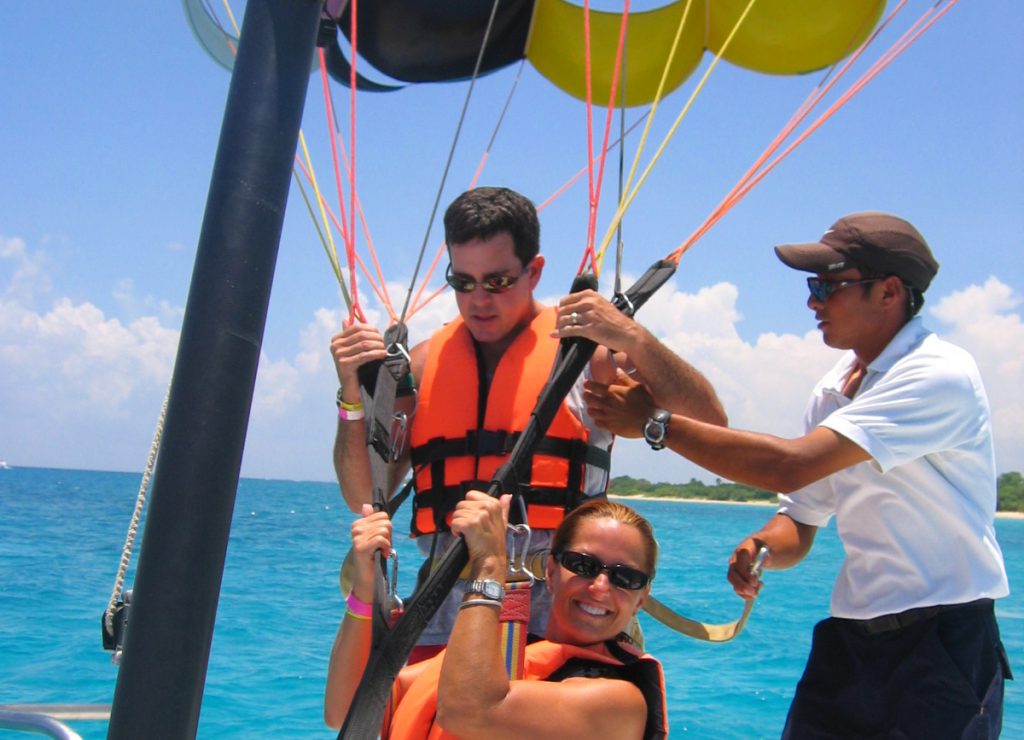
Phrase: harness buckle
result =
(517, 556)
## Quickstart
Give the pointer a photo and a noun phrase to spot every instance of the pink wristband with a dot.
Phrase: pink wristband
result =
(350, 415)
(358, 607)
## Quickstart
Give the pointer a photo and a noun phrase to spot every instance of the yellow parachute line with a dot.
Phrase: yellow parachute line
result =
(660, 90)
(556, 49)
(332, 251)
(332, 259)
(628, 198)
(231, 17)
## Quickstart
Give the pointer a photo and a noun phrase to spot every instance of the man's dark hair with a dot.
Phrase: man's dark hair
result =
(915, 297)
(485, 212)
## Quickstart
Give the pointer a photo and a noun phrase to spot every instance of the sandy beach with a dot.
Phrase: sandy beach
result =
(640, 497)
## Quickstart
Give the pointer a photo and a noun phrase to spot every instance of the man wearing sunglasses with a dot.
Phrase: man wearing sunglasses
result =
(898, 448)
(478, 379)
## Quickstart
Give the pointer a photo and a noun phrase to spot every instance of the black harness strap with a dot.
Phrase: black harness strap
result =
(641, 672)
(366, 714)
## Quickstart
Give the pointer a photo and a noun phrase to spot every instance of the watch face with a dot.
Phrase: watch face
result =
(656, 428)
(488, 588)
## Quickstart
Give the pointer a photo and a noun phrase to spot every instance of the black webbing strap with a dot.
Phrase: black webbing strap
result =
(366, 714)
(483, 443)
(382, 447)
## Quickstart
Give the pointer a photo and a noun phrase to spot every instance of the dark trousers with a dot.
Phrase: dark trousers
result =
(933, 674)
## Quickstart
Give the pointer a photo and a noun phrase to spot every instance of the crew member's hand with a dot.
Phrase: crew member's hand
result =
(622, 408)
(482, 521)
(353, 347)
(588, 314)
(371, 532)
(744, 583)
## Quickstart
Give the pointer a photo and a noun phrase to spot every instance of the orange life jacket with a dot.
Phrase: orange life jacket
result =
(414, 717)
(458, 439)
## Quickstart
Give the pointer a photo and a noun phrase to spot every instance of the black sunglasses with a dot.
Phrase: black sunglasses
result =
(492, 283)
(822, 289)
(589, 567)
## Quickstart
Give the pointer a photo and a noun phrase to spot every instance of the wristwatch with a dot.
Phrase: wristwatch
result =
(487, 588)
(656, 429)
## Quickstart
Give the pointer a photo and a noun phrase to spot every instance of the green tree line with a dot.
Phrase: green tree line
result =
(1010, 489)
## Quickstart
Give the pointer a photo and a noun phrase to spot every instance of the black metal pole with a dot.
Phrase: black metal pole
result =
(174, 603)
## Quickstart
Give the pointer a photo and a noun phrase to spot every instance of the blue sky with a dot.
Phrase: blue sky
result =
(109, 122)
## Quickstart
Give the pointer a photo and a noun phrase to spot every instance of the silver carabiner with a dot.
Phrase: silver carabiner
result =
(393, 597)
(399, 425)
(517, 555)
(397, 348)
(758, 564)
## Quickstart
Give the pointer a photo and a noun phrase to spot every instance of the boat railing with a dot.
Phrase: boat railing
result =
(45, 719)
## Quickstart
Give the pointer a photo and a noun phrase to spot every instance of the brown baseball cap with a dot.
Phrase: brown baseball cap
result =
(870, 240)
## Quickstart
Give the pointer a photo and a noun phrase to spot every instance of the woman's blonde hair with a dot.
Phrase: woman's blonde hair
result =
(605, 509)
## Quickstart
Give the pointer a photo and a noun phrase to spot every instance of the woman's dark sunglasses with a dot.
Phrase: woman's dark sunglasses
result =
(492, 283)
(822, 289)
(588, 566)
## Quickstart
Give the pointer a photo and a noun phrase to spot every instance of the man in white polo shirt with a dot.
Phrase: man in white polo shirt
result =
(898, 448)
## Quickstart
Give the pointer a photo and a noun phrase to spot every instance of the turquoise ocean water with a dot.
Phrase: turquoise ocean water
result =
(61, 534)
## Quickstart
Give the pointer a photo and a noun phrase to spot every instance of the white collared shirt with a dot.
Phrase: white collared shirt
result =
(917, 520)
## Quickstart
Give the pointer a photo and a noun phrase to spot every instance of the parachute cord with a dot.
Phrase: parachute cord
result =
(416, 305)
(583, 170)
(659, 94)
(307, 169)
(595, 195)
(929, 18)
(350, 243)
(379, 290)
(451, 155)
(335, 267)
(231, 17)
(824, 86)
(827, 82)
(380, 286)
(588, 87)
(133, 526)
(332, 252)
(679, 119)
(622, 162)
(353, 301)
(229, 40)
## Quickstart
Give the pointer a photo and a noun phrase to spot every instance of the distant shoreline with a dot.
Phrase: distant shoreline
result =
(641, 497)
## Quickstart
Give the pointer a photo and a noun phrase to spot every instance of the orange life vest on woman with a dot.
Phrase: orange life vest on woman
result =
(460, 438)
(413, 719)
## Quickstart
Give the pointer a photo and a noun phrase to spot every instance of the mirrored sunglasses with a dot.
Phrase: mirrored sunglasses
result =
(492, 283)
(588, 566)
(822, 289)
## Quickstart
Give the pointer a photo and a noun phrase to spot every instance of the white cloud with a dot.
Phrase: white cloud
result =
(82, 388)
(281, 382)
(764, 386)
(74, 355)
(30, 271)
(982, 321)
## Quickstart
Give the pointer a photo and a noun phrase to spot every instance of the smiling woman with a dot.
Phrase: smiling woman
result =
(599, 580)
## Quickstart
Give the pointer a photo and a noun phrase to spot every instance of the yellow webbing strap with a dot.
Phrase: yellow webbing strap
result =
(515, 623)
(695, 629)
